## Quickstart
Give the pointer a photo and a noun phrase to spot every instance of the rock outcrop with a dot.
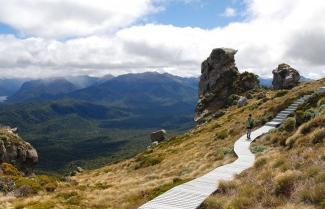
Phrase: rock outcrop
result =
(285, 77)
(158, 136)
(220, 78)
(16, 151)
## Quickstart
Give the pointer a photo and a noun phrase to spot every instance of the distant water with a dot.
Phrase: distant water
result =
(3, 98)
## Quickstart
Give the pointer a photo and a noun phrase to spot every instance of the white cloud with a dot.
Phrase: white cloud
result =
(229, 12)
(61, 18)
(275, 31)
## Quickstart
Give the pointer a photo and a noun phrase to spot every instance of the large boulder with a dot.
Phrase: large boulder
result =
(219, 79)
(158, 136)
(16, 151)
(285, 77)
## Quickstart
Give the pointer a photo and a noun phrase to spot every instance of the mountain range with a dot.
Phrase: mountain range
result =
(98, 120)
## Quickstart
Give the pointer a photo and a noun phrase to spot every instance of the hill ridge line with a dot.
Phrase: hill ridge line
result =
(191, 195)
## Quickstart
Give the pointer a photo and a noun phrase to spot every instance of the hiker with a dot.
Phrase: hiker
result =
(249, 126)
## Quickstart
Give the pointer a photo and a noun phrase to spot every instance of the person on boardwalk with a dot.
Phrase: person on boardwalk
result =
(249, 126)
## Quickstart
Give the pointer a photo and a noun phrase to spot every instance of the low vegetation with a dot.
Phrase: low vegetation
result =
(12, 181)
(290, 174)
(287, 173)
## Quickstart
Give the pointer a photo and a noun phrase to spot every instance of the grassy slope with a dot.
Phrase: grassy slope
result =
(288, 173)
(129, 183)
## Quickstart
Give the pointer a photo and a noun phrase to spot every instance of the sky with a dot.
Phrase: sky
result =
(46, 38)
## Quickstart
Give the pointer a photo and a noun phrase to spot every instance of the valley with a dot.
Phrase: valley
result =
(102, 123)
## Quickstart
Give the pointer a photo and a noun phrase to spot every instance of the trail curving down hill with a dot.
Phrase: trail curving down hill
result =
(190, 195)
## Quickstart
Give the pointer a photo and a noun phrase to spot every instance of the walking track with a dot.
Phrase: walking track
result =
(191, 195)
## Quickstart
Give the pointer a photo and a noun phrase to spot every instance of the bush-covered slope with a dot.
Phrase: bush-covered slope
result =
(129, 183)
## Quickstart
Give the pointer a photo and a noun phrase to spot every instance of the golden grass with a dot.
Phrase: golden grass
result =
(132, 182)
(288, 175)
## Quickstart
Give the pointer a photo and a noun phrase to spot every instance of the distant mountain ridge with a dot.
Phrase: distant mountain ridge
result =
(42, 89)
(10, 86)
(267, 82)
(108, 120)
(49, 88)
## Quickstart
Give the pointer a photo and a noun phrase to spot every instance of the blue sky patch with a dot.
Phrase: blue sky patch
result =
(206, 14)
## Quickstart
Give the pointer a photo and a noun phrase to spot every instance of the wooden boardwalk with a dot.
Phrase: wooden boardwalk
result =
(191, 195)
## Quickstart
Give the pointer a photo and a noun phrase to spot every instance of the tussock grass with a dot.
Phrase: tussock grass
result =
(290, 175)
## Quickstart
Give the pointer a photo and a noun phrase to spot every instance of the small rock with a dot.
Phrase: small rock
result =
(260, 95)
(24, 191)
(242, 101)
(218, 114)
(155, 143)
(80, 170)
(158, 136)
(73, 173)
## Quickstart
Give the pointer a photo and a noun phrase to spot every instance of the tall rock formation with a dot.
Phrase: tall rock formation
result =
(219, 79)
(285, 77)
(16, 151)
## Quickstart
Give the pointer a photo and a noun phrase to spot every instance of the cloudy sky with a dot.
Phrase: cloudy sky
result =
(42, 38)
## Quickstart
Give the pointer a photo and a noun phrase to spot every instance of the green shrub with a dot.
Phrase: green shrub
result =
(309, 114)
(31, 182)
(258, 148)
(289, 124)
(48, 183)
(222, 134)
(232, 99)
(253, 106)
(299, 116)
(304, 116)
(315, 99)
(228, 150)
(280, 93)
(144, 161)
(72, 198)
(9, 170)
(7, 184)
